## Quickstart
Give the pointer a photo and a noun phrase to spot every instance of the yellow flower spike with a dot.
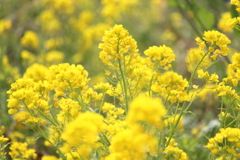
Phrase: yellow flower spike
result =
(117, 43)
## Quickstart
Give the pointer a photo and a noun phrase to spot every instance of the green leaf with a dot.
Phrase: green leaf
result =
(206, 18)
(233, 11)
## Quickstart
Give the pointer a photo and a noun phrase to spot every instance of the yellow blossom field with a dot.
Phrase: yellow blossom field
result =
(119, 80)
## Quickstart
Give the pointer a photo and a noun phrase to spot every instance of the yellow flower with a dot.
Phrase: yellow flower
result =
(115, 8)
(218, 44)
(64, 76)
(236, 3)
(88, 125)
(231, 23)
(172, 87)
(54, 57)
(3, 139)
(117, 44)
(49, 158)
(132, 143)
(20, 150)
(53, 43)
(162, 54)
(172, 151)
(145, 109)
(30, 40)
(49, 22)
(36, 72)
(193, 58)
(5, 25)
(69, 110)
(222, 22)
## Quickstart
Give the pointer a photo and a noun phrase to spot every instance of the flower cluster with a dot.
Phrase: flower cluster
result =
(226, 143)
(162, 54)
(172, 87)
(117, 44)
(215, 42)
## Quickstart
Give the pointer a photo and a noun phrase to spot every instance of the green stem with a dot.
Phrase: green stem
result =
(195, 70)
(150, 85)
(184, 110)
(124, 85)
(191, 6)
(192, 24)
(101, 105)
(135, 88)
(45, 137)
(47, 117)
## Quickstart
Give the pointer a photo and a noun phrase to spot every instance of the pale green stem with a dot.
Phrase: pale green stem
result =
(151, 81)
(124, 85)
(195, 70)
(184, 110)
(135, 88)
(228, 106)
(45, 137)
(101, 105)
(48, 118)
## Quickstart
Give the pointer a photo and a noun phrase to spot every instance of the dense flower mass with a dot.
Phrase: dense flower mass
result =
(155, 101)
(132, 125)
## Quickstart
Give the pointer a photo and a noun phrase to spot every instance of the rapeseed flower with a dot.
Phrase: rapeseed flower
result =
(132, 143)
(88, 126)
(30, 40)
(145, 109)
(21, 151)
(117, 43)
(172, 87)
